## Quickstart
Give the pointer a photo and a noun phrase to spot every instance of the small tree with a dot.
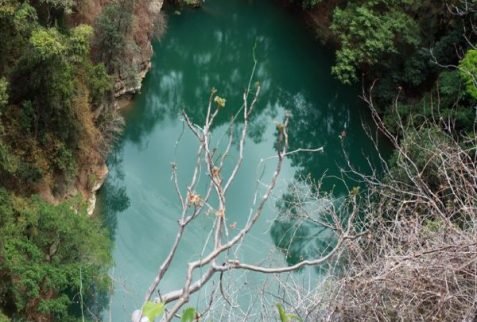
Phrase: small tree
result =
(51, 256)
(113, 27)
(368, 33)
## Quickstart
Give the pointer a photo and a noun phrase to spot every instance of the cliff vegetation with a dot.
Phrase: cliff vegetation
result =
(63, 63)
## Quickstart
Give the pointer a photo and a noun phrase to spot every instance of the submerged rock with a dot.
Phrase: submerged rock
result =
(193, 3)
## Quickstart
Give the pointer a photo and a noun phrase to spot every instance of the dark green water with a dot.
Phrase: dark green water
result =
(212, 47)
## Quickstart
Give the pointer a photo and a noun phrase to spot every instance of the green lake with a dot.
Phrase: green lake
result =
(212, 47)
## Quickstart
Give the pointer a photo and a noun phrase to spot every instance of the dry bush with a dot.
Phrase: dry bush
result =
(143, 25)
(418, 261)
(149, 21)
(86, 11)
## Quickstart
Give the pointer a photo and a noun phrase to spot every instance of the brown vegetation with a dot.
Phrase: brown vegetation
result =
(418, 261)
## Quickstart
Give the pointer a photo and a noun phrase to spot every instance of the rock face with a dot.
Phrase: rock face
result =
(92, 175)
(101, 174)
(132, 85)
(147, 15)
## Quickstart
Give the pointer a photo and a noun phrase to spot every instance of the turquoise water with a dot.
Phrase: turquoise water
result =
(213, 47)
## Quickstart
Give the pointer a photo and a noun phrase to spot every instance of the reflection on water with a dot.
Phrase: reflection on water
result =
(302, 228)
(113, 195)
(209, 48)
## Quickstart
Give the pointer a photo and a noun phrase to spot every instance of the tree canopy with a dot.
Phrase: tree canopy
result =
(47, 252)
(369, 32)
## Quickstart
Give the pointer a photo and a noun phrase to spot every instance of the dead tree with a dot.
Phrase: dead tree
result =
(193, 205)
(418, 261)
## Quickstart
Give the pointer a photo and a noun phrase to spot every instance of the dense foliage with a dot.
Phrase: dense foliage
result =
(49, 84)
(60, 62)
(369, 33)
(48, 254)
(415, 53)
(53, 99)
(468, 72)
(112, 27)
(417, 59)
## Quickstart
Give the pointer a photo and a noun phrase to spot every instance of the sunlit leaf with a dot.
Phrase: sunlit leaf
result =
(219, 101)
(152, 310)
(286, 317)
(282, 313)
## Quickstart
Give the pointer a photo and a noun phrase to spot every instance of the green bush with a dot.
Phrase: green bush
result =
(369, 33)
(468, 72)
(112, 29)
(44, 248)
(3, 93)
(99, 82)
(4, 318)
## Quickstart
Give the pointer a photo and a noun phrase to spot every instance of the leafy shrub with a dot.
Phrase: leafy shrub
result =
(45, 249)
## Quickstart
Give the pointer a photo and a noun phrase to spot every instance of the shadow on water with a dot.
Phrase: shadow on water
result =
(113, 198)
(300, 230)
(323, 180)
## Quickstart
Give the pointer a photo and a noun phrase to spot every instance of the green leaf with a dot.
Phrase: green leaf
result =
(286, 317)
(468, 70)
(152, 310)
(282, 313)
(188, 315)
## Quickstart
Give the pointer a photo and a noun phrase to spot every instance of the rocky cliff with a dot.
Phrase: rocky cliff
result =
(147, 22)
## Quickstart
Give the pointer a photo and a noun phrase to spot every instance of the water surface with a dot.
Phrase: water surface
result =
(213, 47)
